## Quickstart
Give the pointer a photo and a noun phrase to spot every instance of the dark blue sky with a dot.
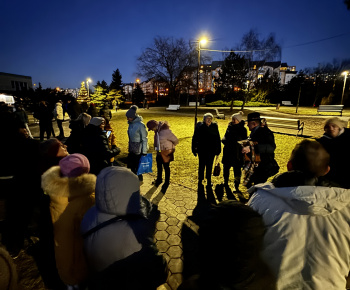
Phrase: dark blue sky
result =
(62, 43)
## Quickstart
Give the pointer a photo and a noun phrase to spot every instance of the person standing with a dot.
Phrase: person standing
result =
(106, 113)
(164, 143)
(335, 140)
(95, 145)
(138, 141)
(263, 145)
(22, 117)
(232, 156)
(206, 143)
(59, 118)
(44, 115)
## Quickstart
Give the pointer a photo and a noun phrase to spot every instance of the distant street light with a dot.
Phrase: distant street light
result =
(345, 73)
(87, 84)
(200, 41)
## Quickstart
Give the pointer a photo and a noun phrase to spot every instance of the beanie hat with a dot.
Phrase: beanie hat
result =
(255, 116)
(96, 121)
(336, 121)
(74, 165)
(208, 115)
(131, 113)
(238, 116)
(151, 124)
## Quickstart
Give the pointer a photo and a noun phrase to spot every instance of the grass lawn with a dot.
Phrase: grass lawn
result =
(184, 169)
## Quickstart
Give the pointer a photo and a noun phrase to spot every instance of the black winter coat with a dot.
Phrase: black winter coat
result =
(206, 139)
(266, 147)
(338, 149)
(232, 152)
(95, 148)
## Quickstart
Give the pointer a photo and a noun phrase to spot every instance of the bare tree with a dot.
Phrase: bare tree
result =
(168, 60)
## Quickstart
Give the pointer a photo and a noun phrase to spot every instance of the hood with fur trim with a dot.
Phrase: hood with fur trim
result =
(57, 186)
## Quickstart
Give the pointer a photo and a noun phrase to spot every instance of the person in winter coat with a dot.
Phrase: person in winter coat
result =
(74, 141)
(307, 240)
(164, 143)
(71, 189)
(95, 145)
(335, 140)
(118, 235)
(59, 118)
(206, 143)
(264, 147)
(138, 141)
(106, 113)
(232, 156)
(73, 109)
(22, 117)
(92, 111)
(44, 115)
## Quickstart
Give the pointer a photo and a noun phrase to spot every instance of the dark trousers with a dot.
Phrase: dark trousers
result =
(237, 171)
(45, 127)
(133, 163)
(59, 125)
(160, 165)
(205, 163)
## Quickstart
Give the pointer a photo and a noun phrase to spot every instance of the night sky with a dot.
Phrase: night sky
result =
(62, 43)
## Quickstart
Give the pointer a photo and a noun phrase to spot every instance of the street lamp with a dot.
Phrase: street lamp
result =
(345, 73)
(87, 83)
(200, 41)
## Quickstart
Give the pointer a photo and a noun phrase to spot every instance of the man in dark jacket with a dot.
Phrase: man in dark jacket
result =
(45, 115)
(95, 146)
(232, 156)
(206, 143)
(264, 146)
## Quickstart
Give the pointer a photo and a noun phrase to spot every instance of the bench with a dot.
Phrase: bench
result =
(173, 107)
(331, 108)
(193, 104)
(285, 123)
(219, 115)
(287, 103)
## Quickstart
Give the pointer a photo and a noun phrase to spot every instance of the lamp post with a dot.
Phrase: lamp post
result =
(87, 83)
(203, 41)
(345, 73)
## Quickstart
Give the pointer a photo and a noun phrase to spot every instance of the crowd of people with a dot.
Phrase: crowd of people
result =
(96, 230)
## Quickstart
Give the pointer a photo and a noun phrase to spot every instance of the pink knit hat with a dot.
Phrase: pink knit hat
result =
(74, 165)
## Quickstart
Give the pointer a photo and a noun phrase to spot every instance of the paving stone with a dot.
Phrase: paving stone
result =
(161, 235)
(174, 240)
(161, 226)
(173, 230)
(172, 221)
(174, 252)
(176, 266)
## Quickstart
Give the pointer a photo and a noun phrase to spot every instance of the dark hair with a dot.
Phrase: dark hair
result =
(310, 157)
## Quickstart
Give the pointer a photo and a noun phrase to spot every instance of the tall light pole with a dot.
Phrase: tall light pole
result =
(88, 87)
(203, 41)
(345, 73)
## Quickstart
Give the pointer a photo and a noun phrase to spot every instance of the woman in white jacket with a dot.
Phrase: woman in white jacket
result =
(164, 143)
(307, 239)
(59, 118)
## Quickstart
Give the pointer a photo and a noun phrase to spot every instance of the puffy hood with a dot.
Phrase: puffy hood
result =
(118, 192)
(55, 185)
(306, 199)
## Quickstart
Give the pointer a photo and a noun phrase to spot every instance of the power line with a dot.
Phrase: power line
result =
(316, 41)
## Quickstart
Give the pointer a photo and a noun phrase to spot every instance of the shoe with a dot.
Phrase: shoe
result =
(156, 182)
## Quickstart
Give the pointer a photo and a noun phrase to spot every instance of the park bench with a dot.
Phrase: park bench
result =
(193, 104)
(173, 107)
(219, 115)
(331, 108)
(285, 123)
(287, 103)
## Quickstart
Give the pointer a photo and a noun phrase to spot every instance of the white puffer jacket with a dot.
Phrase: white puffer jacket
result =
(307, 243)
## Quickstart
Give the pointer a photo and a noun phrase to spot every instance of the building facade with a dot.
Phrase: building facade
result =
(12, 82)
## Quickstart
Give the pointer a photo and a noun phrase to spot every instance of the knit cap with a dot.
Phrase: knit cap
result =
(238, 116)
(151, 124)
(50, 147)
(96, 121)
(74, 165)
(208, 115)
(335, 121)
(131, 113)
